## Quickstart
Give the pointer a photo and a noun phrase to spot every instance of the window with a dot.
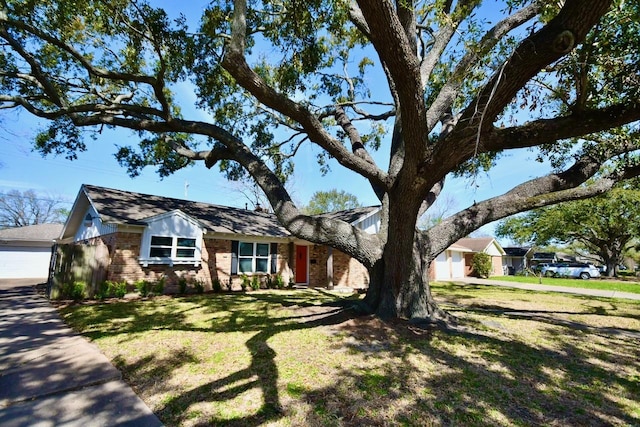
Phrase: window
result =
(172, 247)
(252, 257)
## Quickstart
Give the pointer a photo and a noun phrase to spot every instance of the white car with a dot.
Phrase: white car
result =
(570, 269)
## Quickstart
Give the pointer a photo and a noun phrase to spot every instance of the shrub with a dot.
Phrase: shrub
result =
(278, 282)
(109, 289)
(117, 289)
(158, 287)
(216, 286)
(246, 282)
(103, 291)
(75, 291)
(255, 283)
(143, 287)
(481, 264)
(199, 286)
(182, 285)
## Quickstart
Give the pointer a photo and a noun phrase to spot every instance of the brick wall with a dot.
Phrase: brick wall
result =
(348, 272)
(124, 251)
(318, 266)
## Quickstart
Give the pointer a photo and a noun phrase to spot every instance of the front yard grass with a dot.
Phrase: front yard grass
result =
(294, 358)
(599, 283)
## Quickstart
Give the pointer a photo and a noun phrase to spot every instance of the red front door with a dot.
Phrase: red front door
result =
(301, 264)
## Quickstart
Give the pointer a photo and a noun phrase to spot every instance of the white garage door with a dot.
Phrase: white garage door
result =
(442, 267)
(457, 263)
(24, 262)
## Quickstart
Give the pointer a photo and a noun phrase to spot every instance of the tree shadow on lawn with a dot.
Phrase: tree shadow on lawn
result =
(551, 317)
(417, 376)
(473, 378)
(262, 373)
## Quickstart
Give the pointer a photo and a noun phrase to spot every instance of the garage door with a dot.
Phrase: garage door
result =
(442, 267)
(457, 263)
(24, 262)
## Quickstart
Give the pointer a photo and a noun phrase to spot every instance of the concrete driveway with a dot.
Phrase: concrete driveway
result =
(51, 376)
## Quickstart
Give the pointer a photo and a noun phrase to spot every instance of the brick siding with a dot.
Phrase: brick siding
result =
(124, 251)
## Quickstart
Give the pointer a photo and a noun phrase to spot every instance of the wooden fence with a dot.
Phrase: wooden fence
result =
(75, 263)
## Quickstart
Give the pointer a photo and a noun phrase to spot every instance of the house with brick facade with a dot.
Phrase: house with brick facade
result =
(132, 236)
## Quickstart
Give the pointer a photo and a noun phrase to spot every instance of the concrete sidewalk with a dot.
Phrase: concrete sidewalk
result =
(51, 376)
(549, 288)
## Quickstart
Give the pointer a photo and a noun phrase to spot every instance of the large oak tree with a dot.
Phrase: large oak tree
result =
(440, 87)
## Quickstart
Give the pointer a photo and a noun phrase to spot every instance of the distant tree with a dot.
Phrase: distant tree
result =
(28, 208)
(445, 206)
(331, 201)
(606, 226)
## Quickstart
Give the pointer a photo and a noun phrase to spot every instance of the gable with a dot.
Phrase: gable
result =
(174, 223)
(488, 245)
(365, 218)
(92, 226)
(171, 238)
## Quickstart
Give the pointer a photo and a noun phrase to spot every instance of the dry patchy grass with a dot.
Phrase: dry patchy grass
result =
(292, 358)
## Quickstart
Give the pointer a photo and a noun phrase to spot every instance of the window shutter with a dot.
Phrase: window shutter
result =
(234, 257)
(274, 258)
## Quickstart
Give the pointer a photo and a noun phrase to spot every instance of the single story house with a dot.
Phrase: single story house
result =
(25, 252)
(450, 264)
(455, 261)
(516, 259)
(135, 237)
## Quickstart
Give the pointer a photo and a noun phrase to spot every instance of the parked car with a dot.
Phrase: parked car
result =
(570, 269)
(538, 267)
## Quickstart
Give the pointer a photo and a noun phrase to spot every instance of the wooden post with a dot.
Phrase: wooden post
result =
(330, 269)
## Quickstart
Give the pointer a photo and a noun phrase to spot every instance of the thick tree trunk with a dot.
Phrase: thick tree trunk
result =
(399, 281)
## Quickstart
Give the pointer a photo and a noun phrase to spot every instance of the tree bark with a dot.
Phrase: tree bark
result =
(399, 280)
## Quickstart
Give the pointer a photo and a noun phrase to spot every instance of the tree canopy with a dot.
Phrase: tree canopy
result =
(603, 227)
(331, 201)
(438, 88)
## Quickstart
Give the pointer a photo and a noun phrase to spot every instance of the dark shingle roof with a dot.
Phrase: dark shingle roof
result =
(516, 251)
(352, 215)
(124, 207)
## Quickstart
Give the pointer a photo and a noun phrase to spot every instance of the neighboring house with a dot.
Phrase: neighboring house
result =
(455, 261)
(25, 252)
(145, 237)
(516, 259)
(543, 258)
(450, 264)
(488, 245)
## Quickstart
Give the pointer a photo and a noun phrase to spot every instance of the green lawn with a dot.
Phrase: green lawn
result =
(603, 284)
(294, 358)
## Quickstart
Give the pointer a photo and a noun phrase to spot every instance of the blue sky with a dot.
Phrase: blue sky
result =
(22, 169)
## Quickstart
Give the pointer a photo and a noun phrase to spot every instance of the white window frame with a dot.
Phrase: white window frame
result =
(173, 247)
(175, 226)
(254, 257)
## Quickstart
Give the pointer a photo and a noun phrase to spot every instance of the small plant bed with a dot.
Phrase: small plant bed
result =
(603, 284)
(291, 358)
